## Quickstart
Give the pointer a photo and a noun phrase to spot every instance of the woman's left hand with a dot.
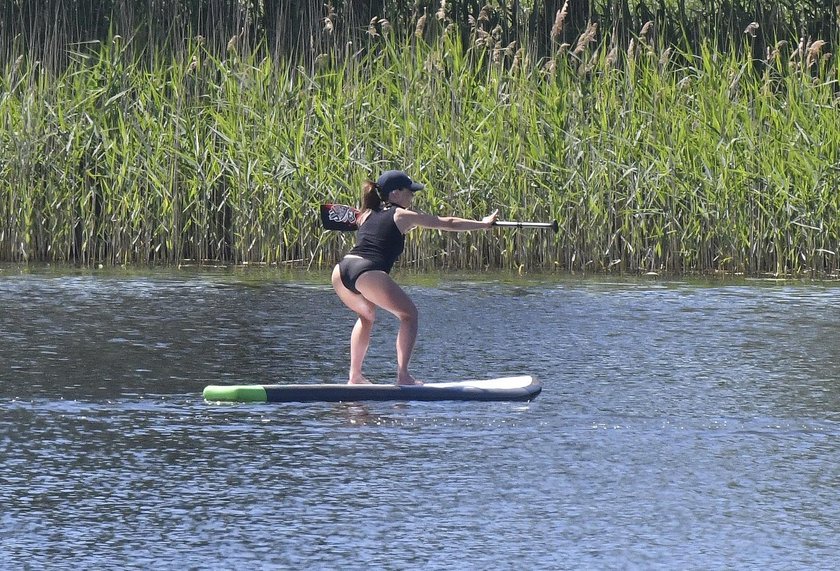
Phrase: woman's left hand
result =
(490, 219)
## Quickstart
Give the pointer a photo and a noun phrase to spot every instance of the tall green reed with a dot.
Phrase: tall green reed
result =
(651, 159)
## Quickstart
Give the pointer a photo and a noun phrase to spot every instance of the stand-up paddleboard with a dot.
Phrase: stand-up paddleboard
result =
(503, 389)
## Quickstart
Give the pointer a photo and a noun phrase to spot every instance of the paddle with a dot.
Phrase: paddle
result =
(343, 218)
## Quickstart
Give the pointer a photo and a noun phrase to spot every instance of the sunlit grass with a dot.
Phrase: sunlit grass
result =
(650, 161)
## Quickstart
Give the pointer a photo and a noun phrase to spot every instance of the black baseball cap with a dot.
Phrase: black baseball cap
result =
(392, 180)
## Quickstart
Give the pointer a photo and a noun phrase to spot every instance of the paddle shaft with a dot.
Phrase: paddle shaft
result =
(552, 225)
(343, 218)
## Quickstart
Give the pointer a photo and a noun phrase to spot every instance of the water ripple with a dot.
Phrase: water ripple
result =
(681, 425)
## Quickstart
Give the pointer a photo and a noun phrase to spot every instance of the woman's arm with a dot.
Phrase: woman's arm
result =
(407, 220)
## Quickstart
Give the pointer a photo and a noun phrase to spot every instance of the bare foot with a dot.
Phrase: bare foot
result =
(408, 380)
(359, 381)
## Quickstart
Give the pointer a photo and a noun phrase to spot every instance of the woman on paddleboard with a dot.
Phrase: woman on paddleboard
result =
(362, 279)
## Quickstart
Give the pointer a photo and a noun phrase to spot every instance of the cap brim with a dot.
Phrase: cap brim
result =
(415, 186)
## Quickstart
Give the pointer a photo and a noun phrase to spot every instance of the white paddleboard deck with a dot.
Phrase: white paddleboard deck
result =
(518, 388)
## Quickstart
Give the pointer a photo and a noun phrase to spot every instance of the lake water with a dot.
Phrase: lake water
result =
(682, 425)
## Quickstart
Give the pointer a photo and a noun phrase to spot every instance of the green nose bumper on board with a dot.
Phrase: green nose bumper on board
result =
(235, 393)
(519, 388)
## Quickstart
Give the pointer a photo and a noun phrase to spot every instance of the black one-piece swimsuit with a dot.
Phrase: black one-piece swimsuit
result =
(379, 243)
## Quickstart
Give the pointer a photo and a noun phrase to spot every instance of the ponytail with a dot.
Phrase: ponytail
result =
(372, 196)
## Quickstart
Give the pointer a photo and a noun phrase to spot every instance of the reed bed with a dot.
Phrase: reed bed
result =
(651, 158)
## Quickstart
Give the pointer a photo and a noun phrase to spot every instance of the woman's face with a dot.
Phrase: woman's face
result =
(401, 197)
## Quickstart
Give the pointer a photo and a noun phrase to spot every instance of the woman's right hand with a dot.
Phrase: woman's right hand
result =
(490, 219)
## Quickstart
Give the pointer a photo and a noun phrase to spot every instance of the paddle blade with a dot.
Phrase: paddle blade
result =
(339, 217)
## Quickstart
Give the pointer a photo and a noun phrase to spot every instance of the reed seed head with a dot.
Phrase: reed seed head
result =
(515, 65)
(587, 37)
(441, 12)
(665, 58)
(510, 50)
(371, 31)
(550, 67)
(799, 52)
(612, 57)
(421, 26)
(814, 52)
(559, 21)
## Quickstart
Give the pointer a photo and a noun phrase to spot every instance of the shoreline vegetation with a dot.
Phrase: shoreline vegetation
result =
(659, 145)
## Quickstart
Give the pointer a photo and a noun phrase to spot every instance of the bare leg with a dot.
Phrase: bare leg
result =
(359, 343)
(360, 338)
(379, 288)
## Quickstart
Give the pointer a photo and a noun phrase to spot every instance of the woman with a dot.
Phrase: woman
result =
(362, 279)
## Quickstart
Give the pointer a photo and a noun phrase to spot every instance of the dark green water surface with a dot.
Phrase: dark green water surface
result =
(682, 425)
